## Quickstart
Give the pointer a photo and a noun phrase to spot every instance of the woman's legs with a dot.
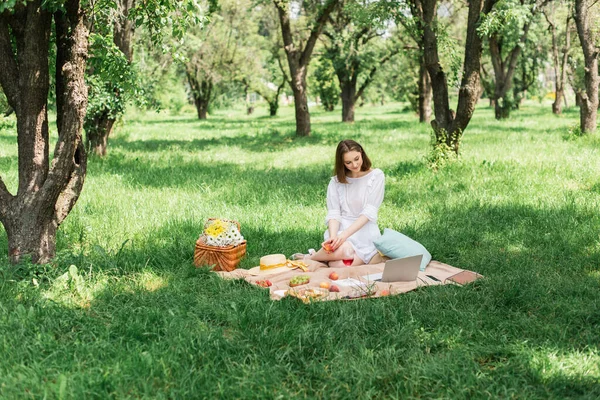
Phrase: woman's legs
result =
(344, 252)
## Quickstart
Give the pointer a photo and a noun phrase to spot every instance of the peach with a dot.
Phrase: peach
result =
(334, 288)
(334, 276)
(328, 247)
(384, 292)
(325, 285)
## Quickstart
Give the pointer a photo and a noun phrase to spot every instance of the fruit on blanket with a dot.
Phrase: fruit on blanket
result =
(334, 288)
(325, 285)
(334, 276)
(264, 283)
(299, 280)
(384, 292)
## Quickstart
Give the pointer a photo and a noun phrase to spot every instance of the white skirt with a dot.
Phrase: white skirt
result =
(362, 240)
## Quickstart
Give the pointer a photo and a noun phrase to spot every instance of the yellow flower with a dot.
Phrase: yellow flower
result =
(216, 228)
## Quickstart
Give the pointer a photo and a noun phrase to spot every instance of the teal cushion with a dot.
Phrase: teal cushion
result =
(394, 244)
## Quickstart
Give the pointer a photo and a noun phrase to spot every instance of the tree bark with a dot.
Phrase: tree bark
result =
(99, 127)
(348, 100)
(589, 98)
(504, 70)
(449, 126)
(425, 94)
(299, 58)
(97, 134)
(47, 191)
(560, 64)
(201, 93)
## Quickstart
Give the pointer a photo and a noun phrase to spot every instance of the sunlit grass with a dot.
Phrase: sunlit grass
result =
(134, 318)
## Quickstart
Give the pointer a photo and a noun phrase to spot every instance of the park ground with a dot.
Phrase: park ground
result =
(123, 313)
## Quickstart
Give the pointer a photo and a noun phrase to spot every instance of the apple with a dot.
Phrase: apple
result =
(334, 276)
(325, 285)
(384, 292)
(328, 247)
(334, 288)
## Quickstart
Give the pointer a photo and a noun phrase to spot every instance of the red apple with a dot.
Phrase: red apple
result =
(334, 276)
(334, 288)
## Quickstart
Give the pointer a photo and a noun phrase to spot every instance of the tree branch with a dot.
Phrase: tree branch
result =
(316, 31)
(369, 79)
(68, 168)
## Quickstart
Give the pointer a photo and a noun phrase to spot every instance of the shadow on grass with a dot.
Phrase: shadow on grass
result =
(242, 183)
(274, 140)
(498, 335)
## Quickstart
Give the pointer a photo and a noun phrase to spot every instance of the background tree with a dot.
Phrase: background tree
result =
(354, 43)
(272, 77)
(110, 77)
(506, 28)
(411, 21)
(449, 125)
(555, 12)
(325, 83)
(48, 188)
(299, 51)
(216, 53)
(584, 15)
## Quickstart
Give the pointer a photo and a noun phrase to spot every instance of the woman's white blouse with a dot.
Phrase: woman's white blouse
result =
(347, 201)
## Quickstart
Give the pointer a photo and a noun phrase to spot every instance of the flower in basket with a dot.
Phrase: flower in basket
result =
(221, 233)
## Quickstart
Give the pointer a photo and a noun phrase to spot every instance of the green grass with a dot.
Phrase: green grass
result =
(135, 319)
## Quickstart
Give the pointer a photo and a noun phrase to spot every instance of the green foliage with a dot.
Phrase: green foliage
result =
(442, 152)
(327, 87)
(112, 81)
(507, 19)
(8, 5)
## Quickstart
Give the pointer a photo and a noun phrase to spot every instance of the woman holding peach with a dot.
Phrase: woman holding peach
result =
(354, 195)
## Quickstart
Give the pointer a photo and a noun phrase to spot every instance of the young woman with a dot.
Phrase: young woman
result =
(353, 199)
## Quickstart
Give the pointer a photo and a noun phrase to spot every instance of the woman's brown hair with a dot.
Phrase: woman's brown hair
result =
(343, 147)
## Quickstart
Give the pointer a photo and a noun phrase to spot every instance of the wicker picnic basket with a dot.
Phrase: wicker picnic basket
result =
(223, 258)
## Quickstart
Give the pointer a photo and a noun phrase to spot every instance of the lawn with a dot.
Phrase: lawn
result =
(122, 312)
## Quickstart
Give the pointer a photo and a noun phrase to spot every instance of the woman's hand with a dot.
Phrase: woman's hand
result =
(333, 244)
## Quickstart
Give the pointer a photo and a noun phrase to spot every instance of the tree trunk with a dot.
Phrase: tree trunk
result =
(201, 93)
(300, 101)
(424, 94)
(560, 66)
(31, 233)
(589, 98)
(299, 58)
(47, 190)
(273, 107)
(449, 126)
(504, 71)
(99, 127)
(348, 100)
(97, 134)
(201, 107)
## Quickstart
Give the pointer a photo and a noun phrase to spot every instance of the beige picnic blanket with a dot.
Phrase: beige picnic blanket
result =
(352, 282)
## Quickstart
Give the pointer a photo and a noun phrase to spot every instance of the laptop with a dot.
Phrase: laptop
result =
(399, 270)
